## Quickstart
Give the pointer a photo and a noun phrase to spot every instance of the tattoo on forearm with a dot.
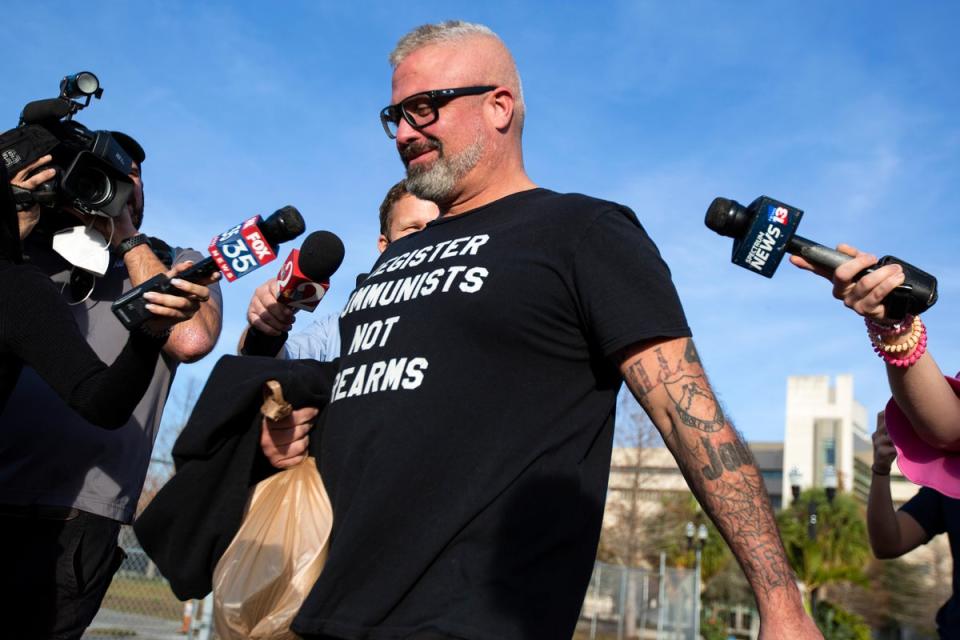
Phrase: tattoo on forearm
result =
(729, 455)
(732, 492)
(719, 468)
(686, 386)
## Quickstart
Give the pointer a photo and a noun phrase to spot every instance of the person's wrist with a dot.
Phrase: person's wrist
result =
(880, 469)
(130, 242)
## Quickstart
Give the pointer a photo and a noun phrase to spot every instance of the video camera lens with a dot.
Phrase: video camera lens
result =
(92, 186)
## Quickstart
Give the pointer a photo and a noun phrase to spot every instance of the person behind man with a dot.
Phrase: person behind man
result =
(466, 448)
(894, 533)
(400, 215)
(66, 487)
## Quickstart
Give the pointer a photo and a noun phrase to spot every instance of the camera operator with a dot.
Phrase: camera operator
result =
(37, 328)
(65, 488)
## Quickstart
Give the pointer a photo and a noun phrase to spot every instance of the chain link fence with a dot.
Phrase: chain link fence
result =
(621, 603)
(139, 602)
(624, 603)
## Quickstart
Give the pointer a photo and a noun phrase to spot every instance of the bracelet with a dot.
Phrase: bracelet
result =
(913, 339)
(910, 360)
(131, 242)
(877, 473)
(895, 329)
(916, 330)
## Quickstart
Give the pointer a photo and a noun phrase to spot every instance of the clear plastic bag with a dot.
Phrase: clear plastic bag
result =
(276, 557)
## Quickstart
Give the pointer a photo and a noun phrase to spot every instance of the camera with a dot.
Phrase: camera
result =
(92, 167)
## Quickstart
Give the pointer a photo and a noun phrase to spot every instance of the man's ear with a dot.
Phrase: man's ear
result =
(382, 243)
(500, 108)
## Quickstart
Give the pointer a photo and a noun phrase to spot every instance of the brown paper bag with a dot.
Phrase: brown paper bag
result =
(272, 563)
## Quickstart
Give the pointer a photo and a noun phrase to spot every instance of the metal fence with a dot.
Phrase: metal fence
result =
(623, 603)
(139, 603)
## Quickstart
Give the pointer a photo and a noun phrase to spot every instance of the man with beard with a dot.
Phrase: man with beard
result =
(466, 448)
(66, 486)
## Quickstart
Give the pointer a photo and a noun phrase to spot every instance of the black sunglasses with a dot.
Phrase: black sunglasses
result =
(422, 109)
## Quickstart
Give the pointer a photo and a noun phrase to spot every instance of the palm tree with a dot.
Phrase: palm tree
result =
(840, 549)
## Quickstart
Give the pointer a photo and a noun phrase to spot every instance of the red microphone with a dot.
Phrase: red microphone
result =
(301, 284)
(295, 289)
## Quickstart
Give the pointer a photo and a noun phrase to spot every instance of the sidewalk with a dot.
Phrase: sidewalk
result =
(111, 625)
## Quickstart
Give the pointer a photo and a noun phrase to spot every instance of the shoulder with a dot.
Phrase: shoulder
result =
(28, 289)
(15, 278)
(577, 210)
(575, 203)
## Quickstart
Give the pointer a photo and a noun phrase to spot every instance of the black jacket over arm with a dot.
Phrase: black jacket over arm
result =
(191, 521)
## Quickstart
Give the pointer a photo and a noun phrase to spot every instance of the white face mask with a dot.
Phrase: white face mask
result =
(83, 247)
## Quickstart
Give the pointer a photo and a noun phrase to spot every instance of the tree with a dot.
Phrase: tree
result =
(840, 550)
(837, 623)
(161, 461)
(668, 526)
(900, 594)
(625, 539)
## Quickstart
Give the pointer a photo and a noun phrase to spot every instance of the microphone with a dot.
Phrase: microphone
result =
(235, 252)
(45, 110)
(766, 229)
(301, 284)
(305, 276)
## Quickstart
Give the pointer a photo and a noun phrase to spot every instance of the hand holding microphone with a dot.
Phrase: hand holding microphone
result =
(235, 252)
(766, 229)
(303, 280)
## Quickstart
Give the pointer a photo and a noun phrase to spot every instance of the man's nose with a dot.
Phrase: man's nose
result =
(407, 133)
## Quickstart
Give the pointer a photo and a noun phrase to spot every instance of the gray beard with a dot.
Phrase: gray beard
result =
(438, 181)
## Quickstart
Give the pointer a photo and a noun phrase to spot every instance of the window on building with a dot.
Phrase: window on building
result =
(825, 454)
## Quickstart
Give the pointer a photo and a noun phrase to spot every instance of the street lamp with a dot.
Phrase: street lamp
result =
(796, 479)
(830, 482)
(830, 487)
(701, 539)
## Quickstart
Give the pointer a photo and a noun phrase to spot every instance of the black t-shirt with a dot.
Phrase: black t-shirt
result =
(937, 514)
(467, 447)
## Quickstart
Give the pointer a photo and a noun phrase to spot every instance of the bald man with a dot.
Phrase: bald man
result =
(467, 446)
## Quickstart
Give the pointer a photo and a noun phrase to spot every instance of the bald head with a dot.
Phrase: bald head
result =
(483, 54)
(467, 149)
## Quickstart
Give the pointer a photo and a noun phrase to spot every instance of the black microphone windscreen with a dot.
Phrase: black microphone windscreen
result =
(282, 225)
(320, 255)
(727, 217)
(45, 110)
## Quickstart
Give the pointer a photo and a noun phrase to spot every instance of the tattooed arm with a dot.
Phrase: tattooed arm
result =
(669, 382)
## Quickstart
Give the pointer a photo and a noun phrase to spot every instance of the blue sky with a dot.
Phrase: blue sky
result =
(848, 111)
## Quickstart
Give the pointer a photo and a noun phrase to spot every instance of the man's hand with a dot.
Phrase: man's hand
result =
(865, 296)
(28, 218)
(115, 230)
(266, 314)
(170, 309)
(884, 453)
(285, 441)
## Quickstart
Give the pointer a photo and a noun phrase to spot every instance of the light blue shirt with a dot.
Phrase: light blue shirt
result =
(319, 341)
